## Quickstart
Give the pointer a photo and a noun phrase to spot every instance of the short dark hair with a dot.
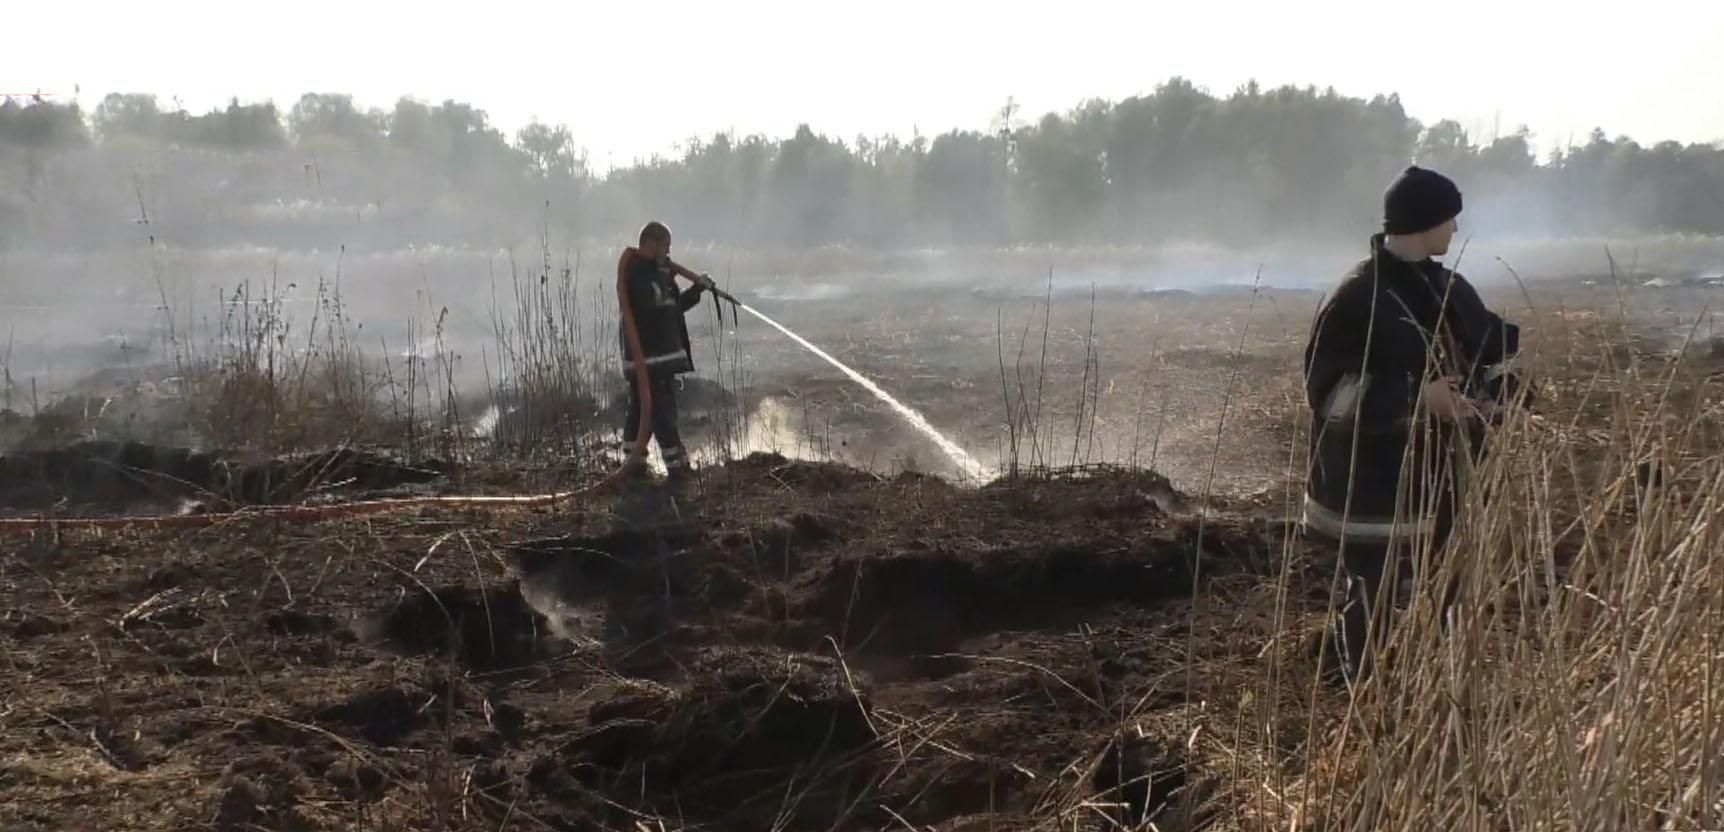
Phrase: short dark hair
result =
(654, 232)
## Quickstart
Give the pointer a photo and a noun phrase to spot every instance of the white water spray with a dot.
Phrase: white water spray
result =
(966, 463)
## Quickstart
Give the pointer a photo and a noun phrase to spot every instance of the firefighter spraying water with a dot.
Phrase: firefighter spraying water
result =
(656, 348)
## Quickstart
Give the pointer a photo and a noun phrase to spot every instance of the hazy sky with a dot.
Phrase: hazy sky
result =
(637, 78)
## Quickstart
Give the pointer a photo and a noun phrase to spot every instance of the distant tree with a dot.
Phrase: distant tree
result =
(411, 130)
(809, 188)
(961, 188)
(1446, 146)
(1508, 157)
(41, 124)
(328, 119)
(247, 126)
(882, 191)
(136, 115)
(550, 150)
(1062, 176)
(238, 126)
(457, 136)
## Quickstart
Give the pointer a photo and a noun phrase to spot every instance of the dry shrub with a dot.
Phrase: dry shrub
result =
(271, 381)
(263, 385)
(548, 354)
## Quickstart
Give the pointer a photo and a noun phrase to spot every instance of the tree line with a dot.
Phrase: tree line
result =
(1178, 163)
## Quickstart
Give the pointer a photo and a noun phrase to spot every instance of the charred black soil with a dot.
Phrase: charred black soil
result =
(135, 477)
(785, 645)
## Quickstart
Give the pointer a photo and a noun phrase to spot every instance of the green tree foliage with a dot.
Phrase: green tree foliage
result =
(129, 115)
(1177, 163)
(40, 123)
(31, 131)
(1061, 171)
(329, 120)
(249, 126)
(139, 118)
(550, 151)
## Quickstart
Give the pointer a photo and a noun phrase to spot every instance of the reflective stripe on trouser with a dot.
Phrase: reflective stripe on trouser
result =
(1377, 554)
(675, 456)
(1324, 520)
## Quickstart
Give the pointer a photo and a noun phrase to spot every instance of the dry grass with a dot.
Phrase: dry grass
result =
(263, 385)
(1576, 683)
(548, 354)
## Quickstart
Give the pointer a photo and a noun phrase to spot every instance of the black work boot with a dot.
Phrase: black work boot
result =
(634, 469)
(680, 476)
(676, 464)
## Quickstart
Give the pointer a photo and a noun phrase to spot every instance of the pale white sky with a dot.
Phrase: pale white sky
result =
(634, 78)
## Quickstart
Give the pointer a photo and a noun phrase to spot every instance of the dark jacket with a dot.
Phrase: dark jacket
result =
(1390, 327)
(657, 305)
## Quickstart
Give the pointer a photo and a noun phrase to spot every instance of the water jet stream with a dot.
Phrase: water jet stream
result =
(967, 464)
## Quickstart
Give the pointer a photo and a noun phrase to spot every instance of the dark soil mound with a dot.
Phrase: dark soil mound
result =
(1137, 778)
(808, 478)
(580, 568)
(925, 602)
(260, 792)
(383, 717)
(753, 723)
(115, 476)
(787, 645)
(486, 629)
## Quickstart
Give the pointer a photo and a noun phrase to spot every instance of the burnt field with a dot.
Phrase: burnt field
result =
(1124, 633)
(793, 643)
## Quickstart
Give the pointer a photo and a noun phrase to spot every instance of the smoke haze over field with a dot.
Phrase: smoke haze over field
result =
(1001, 154)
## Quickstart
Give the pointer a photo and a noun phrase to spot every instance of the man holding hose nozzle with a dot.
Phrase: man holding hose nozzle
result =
(1405, 371)
(655, 345)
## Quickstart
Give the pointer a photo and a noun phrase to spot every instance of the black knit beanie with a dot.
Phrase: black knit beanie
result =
(1419, 200)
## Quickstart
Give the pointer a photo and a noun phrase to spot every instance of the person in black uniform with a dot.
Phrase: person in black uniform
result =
(652, 309)
(1405, 371)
